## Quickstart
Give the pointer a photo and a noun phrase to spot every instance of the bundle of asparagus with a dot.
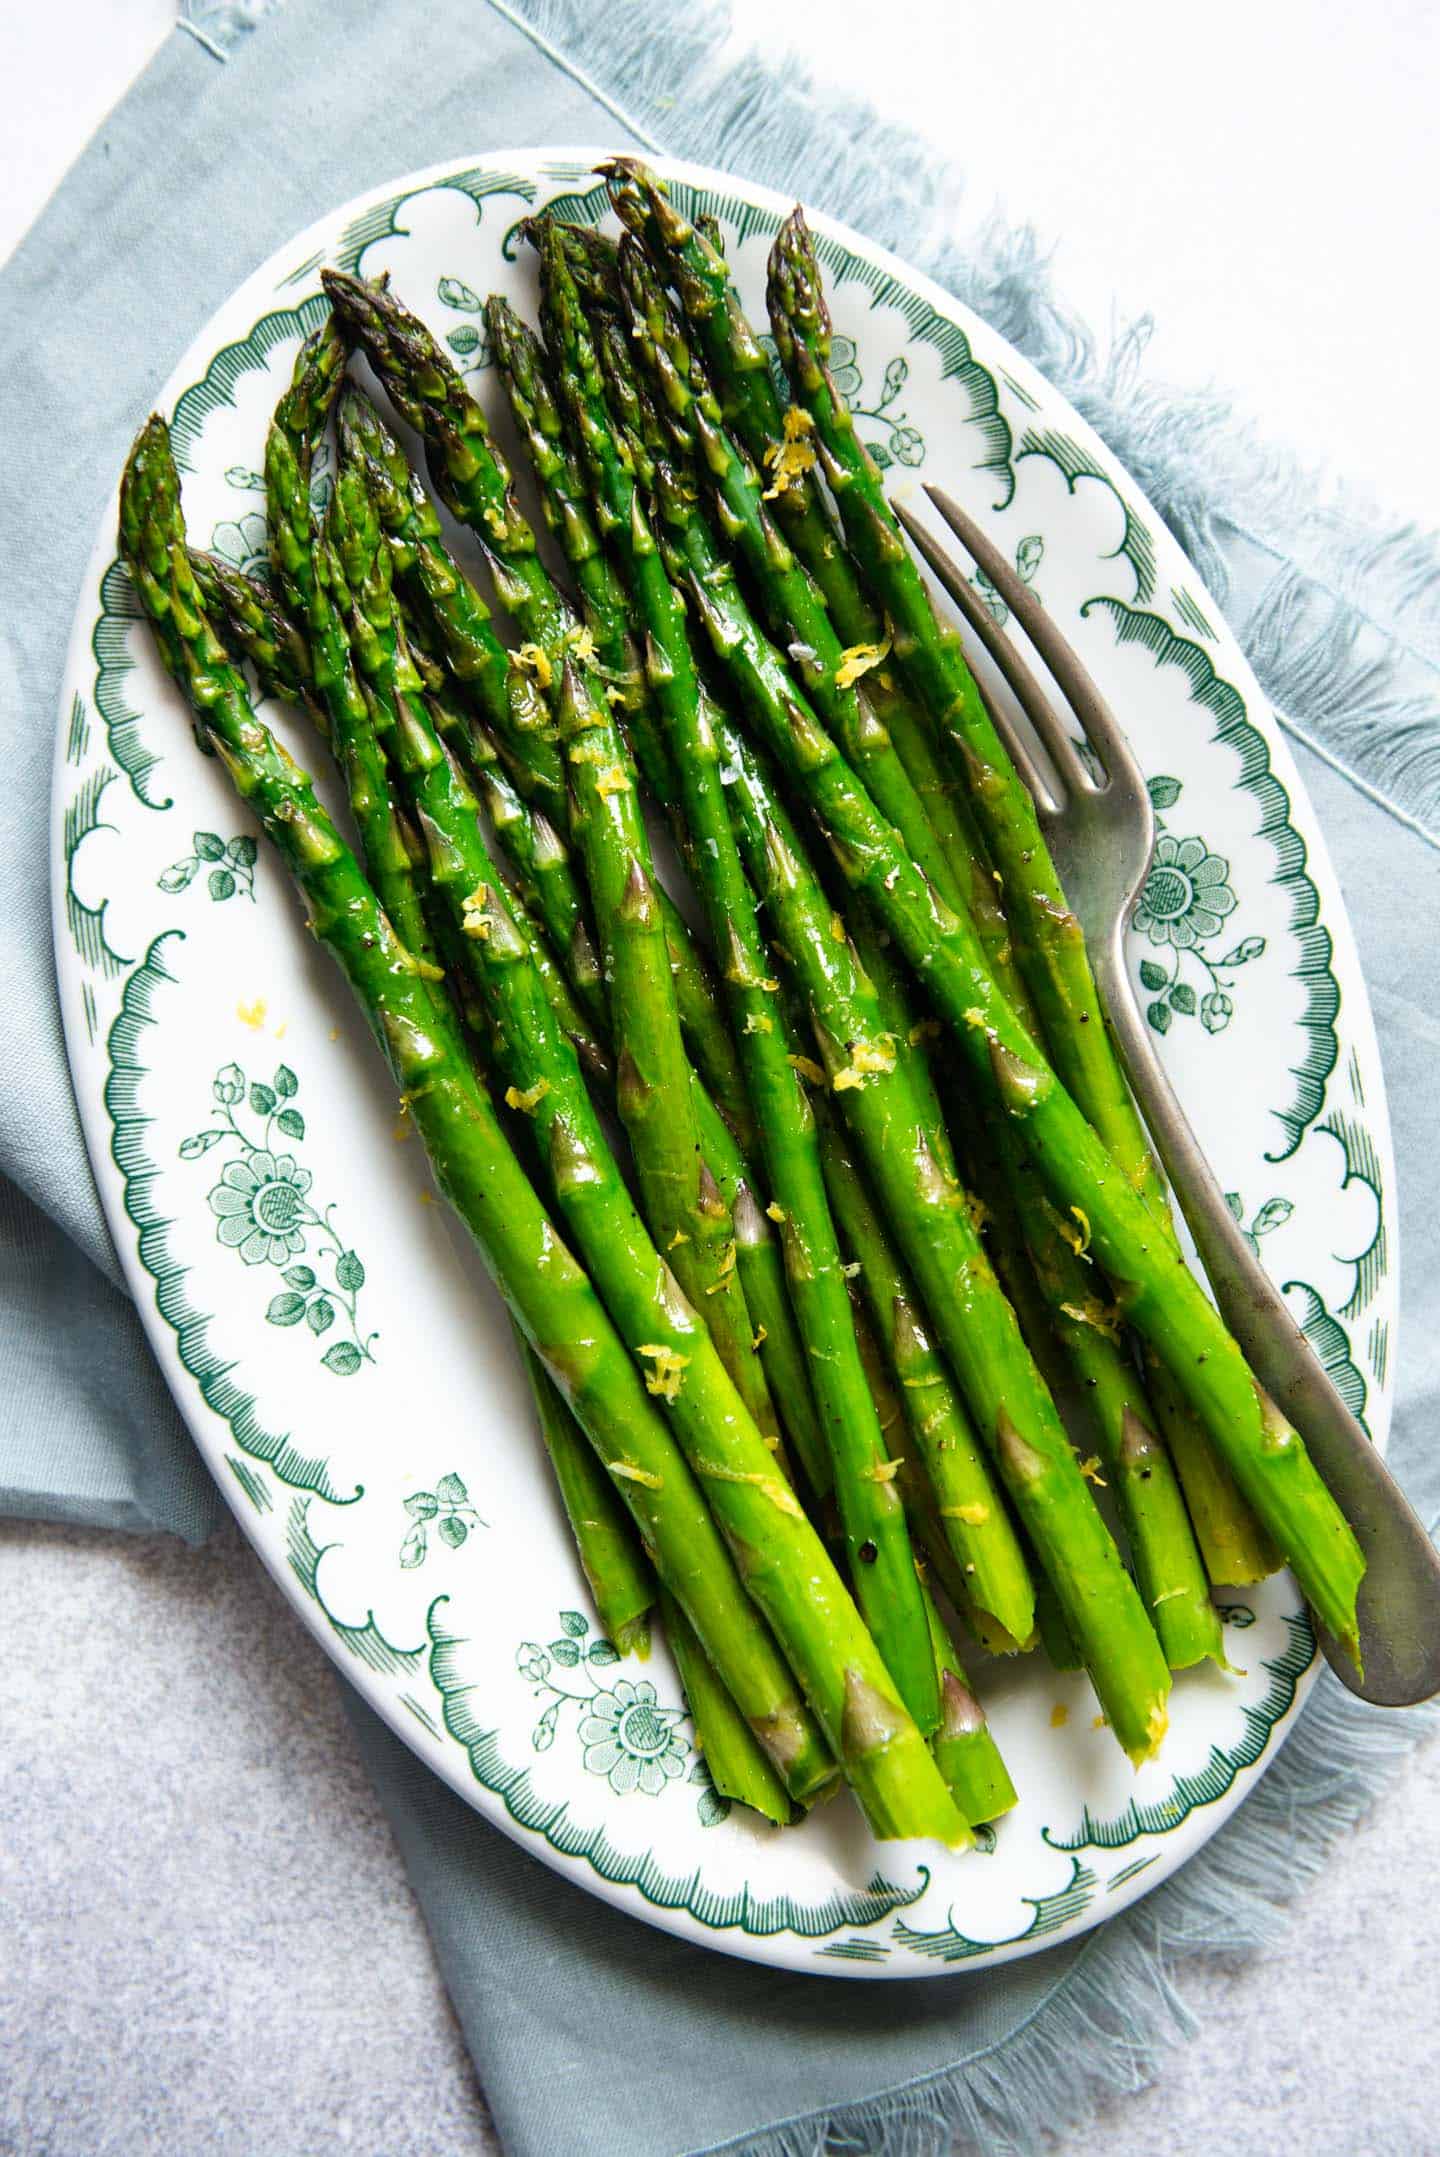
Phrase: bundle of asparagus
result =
(795, 1355)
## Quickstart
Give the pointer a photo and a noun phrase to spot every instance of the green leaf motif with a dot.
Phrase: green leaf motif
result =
(321, 1315)
(299, 1277)
(1164, 791)
(452, 1530)
(574, 1623)
(221, 883)
(712, 1808)
(602, 1654)
(343, 1359)
(451, 1491)
(178, 876)
(1159, 1016)
(349, 1272)
(464, 341)
(422, 1505)
(286, 1083)
(1028, 556)
(192, 1148)
(1182, 998)
(565, 1653)
(1236, 1204)
(458, 295)
(244, 851)
(262, 1100)
(881, 455)
(209, 846)
(286, 1310)
(291, 1122)
(1151, 976)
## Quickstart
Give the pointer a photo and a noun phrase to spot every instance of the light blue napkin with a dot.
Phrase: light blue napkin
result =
(591, 2032)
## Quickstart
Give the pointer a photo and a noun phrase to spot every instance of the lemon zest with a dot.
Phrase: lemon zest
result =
(858, 659)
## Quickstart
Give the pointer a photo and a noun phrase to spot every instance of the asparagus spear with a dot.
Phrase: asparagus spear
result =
(738, 1768)
(263, 631)
(784, 1564)
(311, 587)
(936, 1417)
(965, 1752)
(878, 1544)
(624, 1589)
(548, 1295)
(620, 1580)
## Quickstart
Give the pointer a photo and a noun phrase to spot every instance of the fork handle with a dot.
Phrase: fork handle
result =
(1399, 1608)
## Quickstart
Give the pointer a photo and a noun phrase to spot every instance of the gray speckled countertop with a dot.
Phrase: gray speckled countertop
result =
(207, 1943)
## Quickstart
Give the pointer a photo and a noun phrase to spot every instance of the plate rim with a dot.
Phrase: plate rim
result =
(784, 1950)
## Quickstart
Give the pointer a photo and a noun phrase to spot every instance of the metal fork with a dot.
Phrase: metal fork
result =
(1101, 832)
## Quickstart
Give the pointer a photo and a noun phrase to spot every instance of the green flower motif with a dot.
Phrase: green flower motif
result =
(844, 368)
(244, 544)
(630, 1740)
(260, 1206)
(1186, 896)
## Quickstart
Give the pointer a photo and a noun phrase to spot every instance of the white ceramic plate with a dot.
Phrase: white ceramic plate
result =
(333, 1344)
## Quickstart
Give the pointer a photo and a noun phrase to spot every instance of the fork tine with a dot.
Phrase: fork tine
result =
(1002, 651)
(1077, 685)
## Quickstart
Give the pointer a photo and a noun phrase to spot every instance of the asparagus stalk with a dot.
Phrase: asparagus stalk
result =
(784, 1565)
(620, 1581)
(262, 631)
(1050, 946)
(944, 1439)
(877, 1541)
(738, 1768)
(310, 586)
(624, 1590)
(549, 1296)
(965, 1751)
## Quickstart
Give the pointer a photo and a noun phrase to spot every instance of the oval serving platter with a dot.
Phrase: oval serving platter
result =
(333, 1343)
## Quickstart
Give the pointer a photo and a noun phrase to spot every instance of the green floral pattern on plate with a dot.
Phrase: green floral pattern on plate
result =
(263, 1212)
